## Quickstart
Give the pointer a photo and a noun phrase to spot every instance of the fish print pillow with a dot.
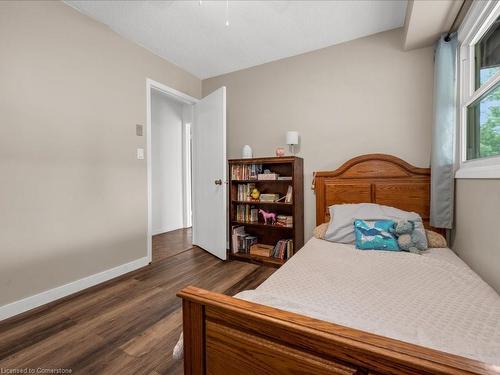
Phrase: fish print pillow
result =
(375, 235)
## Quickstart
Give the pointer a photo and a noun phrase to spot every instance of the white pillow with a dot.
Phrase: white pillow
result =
(342, 228)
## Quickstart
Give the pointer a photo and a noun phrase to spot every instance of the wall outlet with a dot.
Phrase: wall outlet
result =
(138, 130)
(140, 153)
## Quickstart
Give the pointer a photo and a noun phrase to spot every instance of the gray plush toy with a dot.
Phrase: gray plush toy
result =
(408, 238)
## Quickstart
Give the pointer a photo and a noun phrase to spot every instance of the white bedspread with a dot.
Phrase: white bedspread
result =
(434, 300)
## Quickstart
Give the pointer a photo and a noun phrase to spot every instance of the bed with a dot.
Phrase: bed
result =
(353, 312)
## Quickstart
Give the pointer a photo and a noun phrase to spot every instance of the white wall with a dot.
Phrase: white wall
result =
(166, 163)
(73, 196)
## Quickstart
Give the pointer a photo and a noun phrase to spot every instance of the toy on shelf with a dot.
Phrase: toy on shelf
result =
(268, 216)
(255, 194)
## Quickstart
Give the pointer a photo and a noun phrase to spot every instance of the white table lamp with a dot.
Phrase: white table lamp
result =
(292, 139)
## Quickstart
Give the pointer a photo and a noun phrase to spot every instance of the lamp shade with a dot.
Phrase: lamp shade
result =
(292, 138)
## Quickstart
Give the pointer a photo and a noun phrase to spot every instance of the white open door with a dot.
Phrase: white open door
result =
(209, 174)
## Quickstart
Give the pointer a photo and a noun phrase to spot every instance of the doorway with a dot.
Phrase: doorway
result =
(204, 167)
(169, 119)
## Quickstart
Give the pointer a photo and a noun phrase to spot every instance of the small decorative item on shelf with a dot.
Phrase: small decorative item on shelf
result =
(246, 153)
(261, 250)
(280, 151)
(289, 194)
(255, 194)
(269, 217)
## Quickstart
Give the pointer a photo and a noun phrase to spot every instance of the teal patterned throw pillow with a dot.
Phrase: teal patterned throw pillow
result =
(375, 235)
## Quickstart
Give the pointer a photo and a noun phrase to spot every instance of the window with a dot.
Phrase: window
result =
(479, 67)
(483, 125)
(487, 54)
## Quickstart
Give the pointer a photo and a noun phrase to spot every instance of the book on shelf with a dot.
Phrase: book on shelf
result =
(242, 242)
(246, 213)
(245, 171)
(283, 249)
(244, 191)
(284, 221)
(248, 241)
(284, 178)
(254, 215)
(236, 232)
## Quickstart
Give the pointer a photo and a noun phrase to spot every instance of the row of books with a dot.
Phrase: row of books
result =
(244, 191)
(284, 221)
(246, 213)
(242, 242)
(245, 243)
(245, 171)
(283, 249)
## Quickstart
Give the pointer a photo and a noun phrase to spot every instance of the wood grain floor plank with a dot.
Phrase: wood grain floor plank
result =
(163, 304)
(85, 306)
(129, 325)
(42, 328)
(171, 243)
(250, 281)
(80, 339)
(154, 335)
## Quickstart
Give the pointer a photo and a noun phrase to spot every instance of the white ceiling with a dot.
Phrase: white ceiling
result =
(195, 36)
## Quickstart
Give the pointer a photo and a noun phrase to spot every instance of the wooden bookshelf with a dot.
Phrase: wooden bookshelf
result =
(261, 225)
(258, 203)
(267, 261)
(266, 233)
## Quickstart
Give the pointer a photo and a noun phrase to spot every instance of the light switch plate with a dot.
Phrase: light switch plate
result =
(138, 130)
(140, 153)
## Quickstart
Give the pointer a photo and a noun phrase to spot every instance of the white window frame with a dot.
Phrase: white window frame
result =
(480, 17)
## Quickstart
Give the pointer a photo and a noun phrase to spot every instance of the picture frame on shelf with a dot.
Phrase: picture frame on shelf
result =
(289, 195)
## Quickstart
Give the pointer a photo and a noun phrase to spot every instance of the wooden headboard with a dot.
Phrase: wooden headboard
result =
(374, 178)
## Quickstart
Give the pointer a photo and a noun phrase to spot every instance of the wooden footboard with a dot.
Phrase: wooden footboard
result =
(226, 335)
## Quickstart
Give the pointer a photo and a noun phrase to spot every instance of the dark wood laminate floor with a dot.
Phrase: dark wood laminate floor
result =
(126, 326)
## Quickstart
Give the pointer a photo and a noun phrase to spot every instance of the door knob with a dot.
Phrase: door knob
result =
(218, 182)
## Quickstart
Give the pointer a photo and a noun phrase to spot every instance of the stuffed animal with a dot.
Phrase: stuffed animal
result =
(408, 238)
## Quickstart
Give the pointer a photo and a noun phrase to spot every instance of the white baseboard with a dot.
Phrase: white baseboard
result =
(165, 230)
(51, 295)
